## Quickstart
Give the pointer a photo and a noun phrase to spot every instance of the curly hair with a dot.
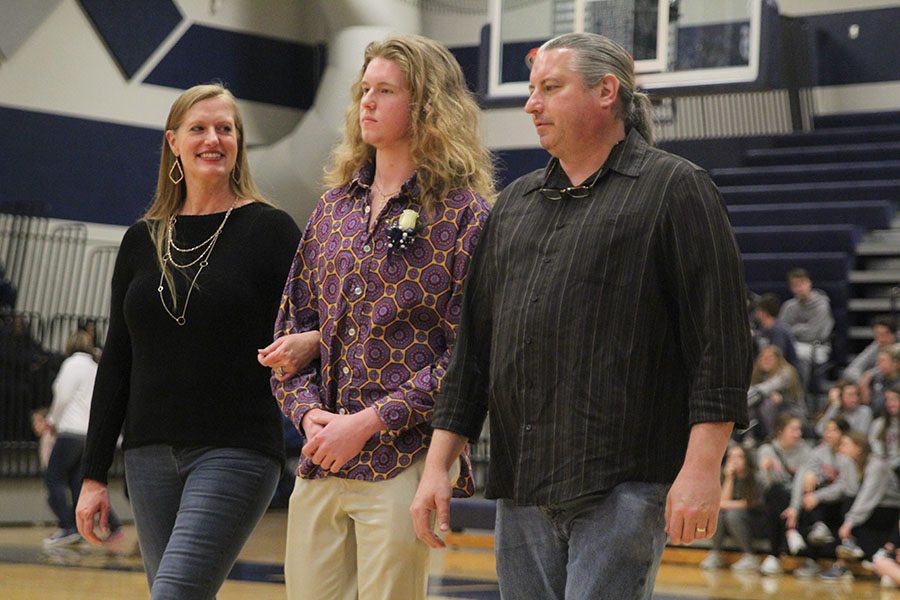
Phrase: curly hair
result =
(445, 145)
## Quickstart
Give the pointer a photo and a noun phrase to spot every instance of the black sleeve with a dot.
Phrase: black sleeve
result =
(706, 277)
(111, 387)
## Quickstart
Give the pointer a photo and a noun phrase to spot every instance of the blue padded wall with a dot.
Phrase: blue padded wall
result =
(132, 29)
(252, 67)
(85, 170)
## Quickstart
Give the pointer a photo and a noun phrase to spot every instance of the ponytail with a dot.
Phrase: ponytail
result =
(640, 117)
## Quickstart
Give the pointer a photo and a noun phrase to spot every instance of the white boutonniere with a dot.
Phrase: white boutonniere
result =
(402, 232)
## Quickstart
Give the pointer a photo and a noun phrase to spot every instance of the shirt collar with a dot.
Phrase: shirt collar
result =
(626, 158)
(365, 175)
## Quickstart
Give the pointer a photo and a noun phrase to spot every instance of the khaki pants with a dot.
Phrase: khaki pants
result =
(350, 539)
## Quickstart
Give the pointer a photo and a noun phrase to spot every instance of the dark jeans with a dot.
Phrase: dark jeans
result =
(876, 530)
(830, 513)
(63, 480)
(777, 498)
(741, 525)
(194, 508)
(600, 547)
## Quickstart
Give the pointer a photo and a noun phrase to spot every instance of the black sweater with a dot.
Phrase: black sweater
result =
(198, 384)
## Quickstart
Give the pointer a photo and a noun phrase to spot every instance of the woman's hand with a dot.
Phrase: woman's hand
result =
(93, 501)
(290, 353)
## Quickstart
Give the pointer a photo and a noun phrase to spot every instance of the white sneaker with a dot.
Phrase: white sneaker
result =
(810, 568)
(888, 582)
(880, 553)
(819, 534)
(747, 562)
(62, 537)
(712, 561)
(771, 566)
(795, 541)
(848, 550)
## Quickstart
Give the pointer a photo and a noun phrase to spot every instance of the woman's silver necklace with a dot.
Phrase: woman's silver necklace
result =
(205, 247)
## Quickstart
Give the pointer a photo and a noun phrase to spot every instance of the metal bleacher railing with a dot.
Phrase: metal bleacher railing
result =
(58, 287)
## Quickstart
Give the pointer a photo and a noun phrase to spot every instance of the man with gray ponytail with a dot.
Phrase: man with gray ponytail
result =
(604, 328)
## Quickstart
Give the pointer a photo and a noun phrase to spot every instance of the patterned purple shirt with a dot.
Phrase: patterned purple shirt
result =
(388, 319)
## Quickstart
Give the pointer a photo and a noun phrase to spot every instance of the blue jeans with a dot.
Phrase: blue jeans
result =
(194, 508)
(63, 480)
(605, 546)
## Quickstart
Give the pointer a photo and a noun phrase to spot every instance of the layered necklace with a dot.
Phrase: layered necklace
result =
(204, 248)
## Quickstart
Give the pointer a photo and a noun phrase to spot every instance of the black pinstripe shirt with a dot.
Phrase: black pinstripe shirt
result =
(597, 331)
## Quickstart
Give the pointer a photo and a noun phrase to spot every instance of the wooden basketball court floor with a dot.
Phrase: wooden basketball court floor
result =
(465, 570)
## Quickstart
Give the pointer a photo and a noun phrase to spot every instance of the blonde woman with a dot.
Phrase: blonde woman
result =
(380, 272)
(195, 288)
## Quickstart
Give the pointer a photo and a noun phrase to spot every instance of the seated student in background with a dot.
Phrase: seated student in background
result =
(886, 562)
(808, 314)
(774, 389)
(780, 460)
(816, 498)
(884, 435)
(875, 381)
(741, 511)
(871, 504)
(772, 331)
(884, 332)
(849, 407)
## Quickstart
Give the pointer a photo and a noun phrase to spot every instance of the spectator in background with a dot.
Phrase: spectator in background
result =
(780, 460)
(45, 434)
(871, 505)
(68, 416)
(883, 376)
(886, 561)
(808, 315)
(884, 332)
(771, 330)
(815, 508)
(741, 514)
(848, 406)
(7, 291)
(774, 389)
(884, 435)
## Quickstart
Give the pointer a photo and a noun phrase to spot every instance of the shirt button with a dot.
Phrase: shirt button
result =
(367, 248)
(560, 225)
(534, 298)
(346, 370)
(527, 427)
(527, 340)
(342, 411)
(351, 331)
(546, 259)
(367, 209)
(358, 291)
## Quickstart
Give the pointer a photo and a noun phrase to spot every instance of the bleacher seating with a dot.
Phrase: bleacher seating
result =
(800, 238)
(806, 173)
(822, 191)
(769, 266)
(804, 155)
(807, 200)
(868, 214)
